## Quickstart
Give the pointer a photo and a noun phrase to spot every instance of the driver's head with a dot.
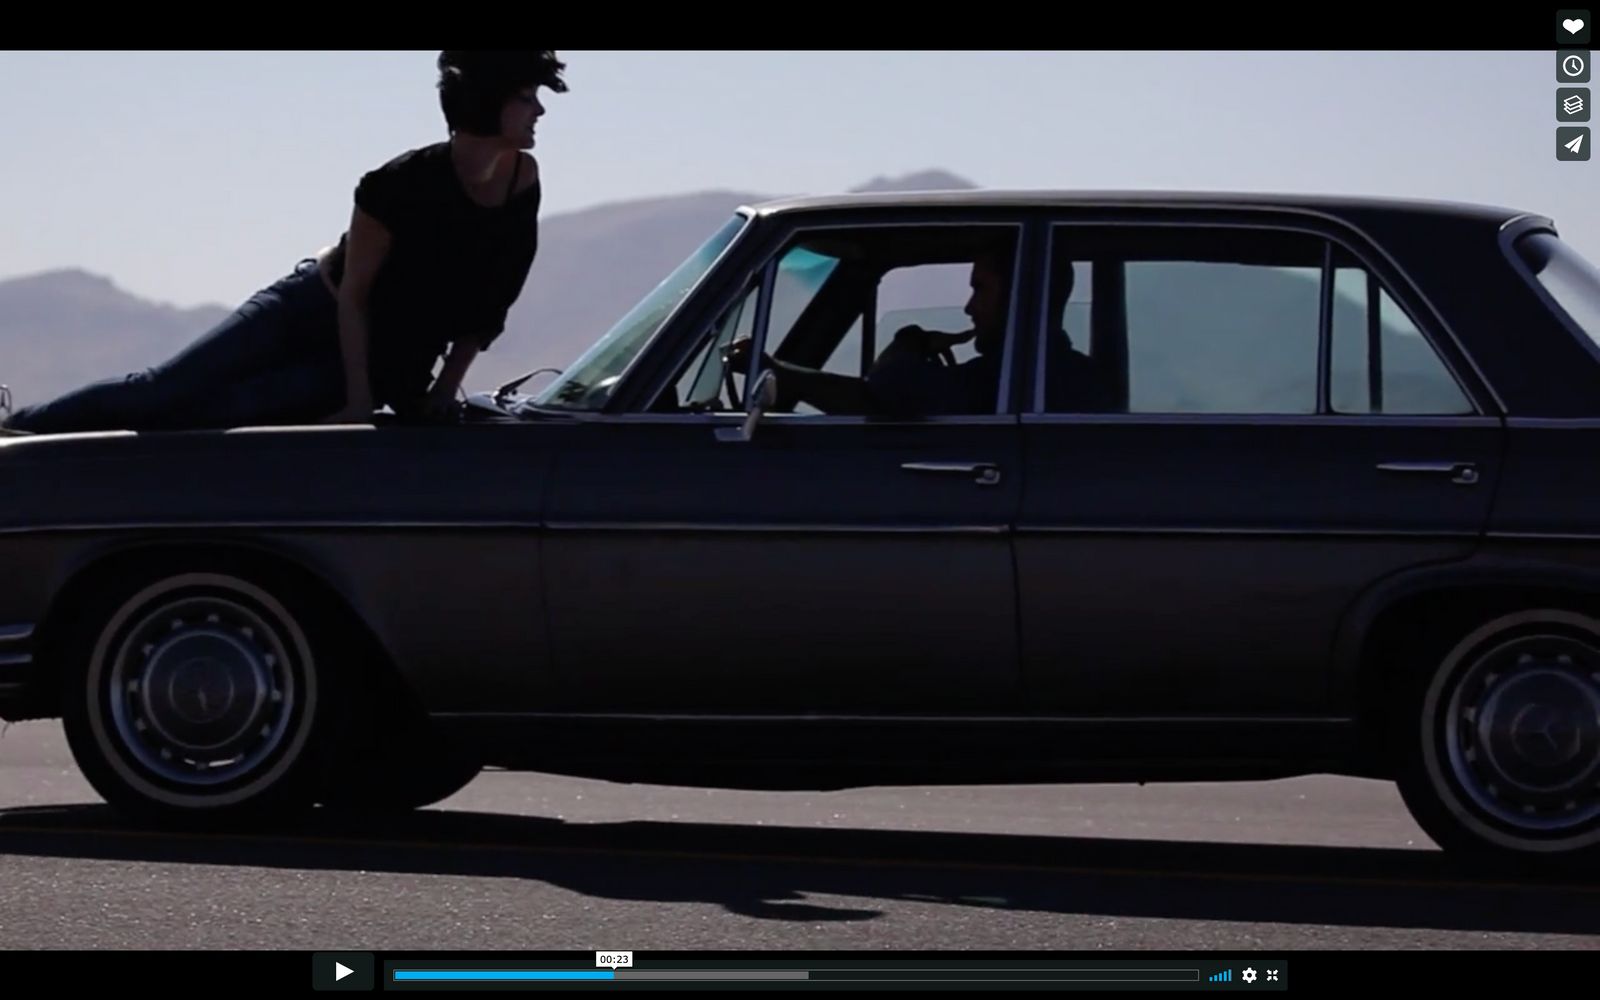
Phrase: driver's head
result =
(986, 307)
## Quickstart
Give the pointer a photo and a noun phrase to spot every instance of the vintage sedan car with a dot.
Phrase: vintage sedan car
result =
(1209, 487)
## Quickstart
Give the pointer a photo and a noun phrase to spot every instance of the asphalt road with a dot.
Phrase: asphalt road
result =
(526, 861)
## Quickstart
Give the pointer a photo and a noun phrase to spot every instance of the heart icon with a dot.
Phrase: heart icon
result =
(1573, 24)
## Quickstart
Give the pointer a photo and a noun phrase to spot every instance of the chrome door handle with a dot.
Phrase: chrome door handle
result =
(982, 473)
(1460, 473)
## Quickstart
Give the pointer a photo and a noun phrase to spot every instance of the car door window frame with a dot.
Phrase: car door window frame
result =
(688, 335)
(1355, 252)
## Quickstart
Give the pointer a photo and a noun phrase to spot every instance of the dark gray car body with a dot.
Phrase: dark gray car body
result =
(628, 595)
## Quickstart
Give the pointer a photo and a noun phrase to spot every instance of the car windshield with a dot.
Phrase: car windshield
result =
(588, 383)
(1570, 279)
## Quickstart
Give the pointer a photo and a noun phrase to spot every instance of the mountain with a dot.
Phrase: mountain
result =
(61, 329)
(927, 180)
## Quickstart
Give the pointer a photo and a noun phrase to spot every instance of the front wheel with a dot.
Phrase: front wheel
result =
(1502, 743)
(198, 696)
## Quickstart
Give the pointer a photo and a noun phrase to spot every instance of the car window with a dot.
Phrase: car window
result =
(588, 383)
(1226, 321)
(1221, 337)
(844, 304)
(1072, 316)
(1567, 276)
(931, 296)
(847, 358)
(1381, 361)
(700, 386)
(801, 274)
(1176, 320)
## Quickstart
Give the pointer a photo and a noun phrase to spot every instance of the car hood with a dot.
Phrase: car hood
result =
(331, 474)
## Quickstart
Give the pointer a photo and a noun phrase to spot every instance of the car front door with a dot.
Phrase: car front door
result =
(1284, 428)
(833, 562)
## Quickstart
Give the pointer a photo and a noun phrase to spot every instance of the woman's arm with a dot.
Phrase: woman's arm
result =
(367, 245)
(462, 354)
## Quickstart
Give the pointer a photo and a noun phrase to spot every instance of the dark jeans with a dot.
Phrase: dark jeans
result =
(275, 360)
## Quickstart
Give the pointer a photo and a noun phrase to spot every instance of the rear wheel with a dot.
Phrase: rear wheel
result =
(1501, 745)
(200, 696)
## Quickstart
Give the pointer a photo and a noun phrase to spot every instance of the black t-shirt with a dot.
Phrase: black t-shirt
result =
(453, 270)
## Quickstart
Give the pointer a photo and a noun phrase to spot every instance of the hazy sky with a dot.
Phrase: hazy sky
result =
(200, 176)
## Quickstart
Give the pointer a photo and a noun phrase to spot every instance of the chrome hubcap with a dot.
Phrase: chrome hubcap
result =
(201, 691)
(1523, 733)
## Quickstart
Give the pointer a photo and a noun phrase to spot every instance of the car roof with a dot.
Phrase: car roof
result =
(1320, 204)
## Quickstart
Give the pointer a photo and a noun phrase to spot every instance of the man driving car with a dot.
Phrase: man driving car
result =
(908, 377)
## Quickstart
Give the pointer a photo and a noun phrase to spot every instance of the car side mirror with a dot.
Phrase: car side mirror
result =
(757, 402)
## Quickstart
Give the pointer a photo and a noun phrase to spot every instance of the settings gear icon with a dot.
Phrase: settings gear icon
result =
(1249, 975)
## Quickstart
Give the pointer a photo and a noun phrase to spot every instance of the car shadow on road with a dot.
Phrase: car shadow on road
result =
(775, 873)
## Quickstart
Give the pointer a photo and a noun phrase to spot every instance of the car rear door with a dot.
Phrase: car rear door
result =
(1289, 426)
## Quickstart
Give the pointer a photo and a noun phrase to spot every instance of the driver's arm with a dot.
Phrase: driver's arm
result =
(826, 391)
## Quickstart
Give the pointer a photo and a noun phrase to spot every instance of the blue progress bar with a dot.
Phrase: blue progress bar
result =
(494, 975)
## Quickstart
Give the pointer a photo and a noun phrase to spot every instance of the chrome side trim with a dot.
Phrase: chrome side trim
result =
(1553, 423)
(1071, 529)
(1270, 419)
(792, 529)
(888, 529)
(273, 526)
(919, 719)
(729, 419)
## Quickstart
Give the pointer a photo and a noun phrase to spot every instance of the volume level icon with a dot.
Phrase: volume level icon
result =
(1225, 976)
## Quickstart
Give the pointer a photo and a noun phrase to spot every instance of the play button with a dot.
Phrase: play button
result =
(342, 970)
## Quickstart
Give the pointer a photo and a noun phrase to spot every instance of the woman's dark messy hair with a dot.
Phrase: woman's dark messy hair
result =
(474, 86)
